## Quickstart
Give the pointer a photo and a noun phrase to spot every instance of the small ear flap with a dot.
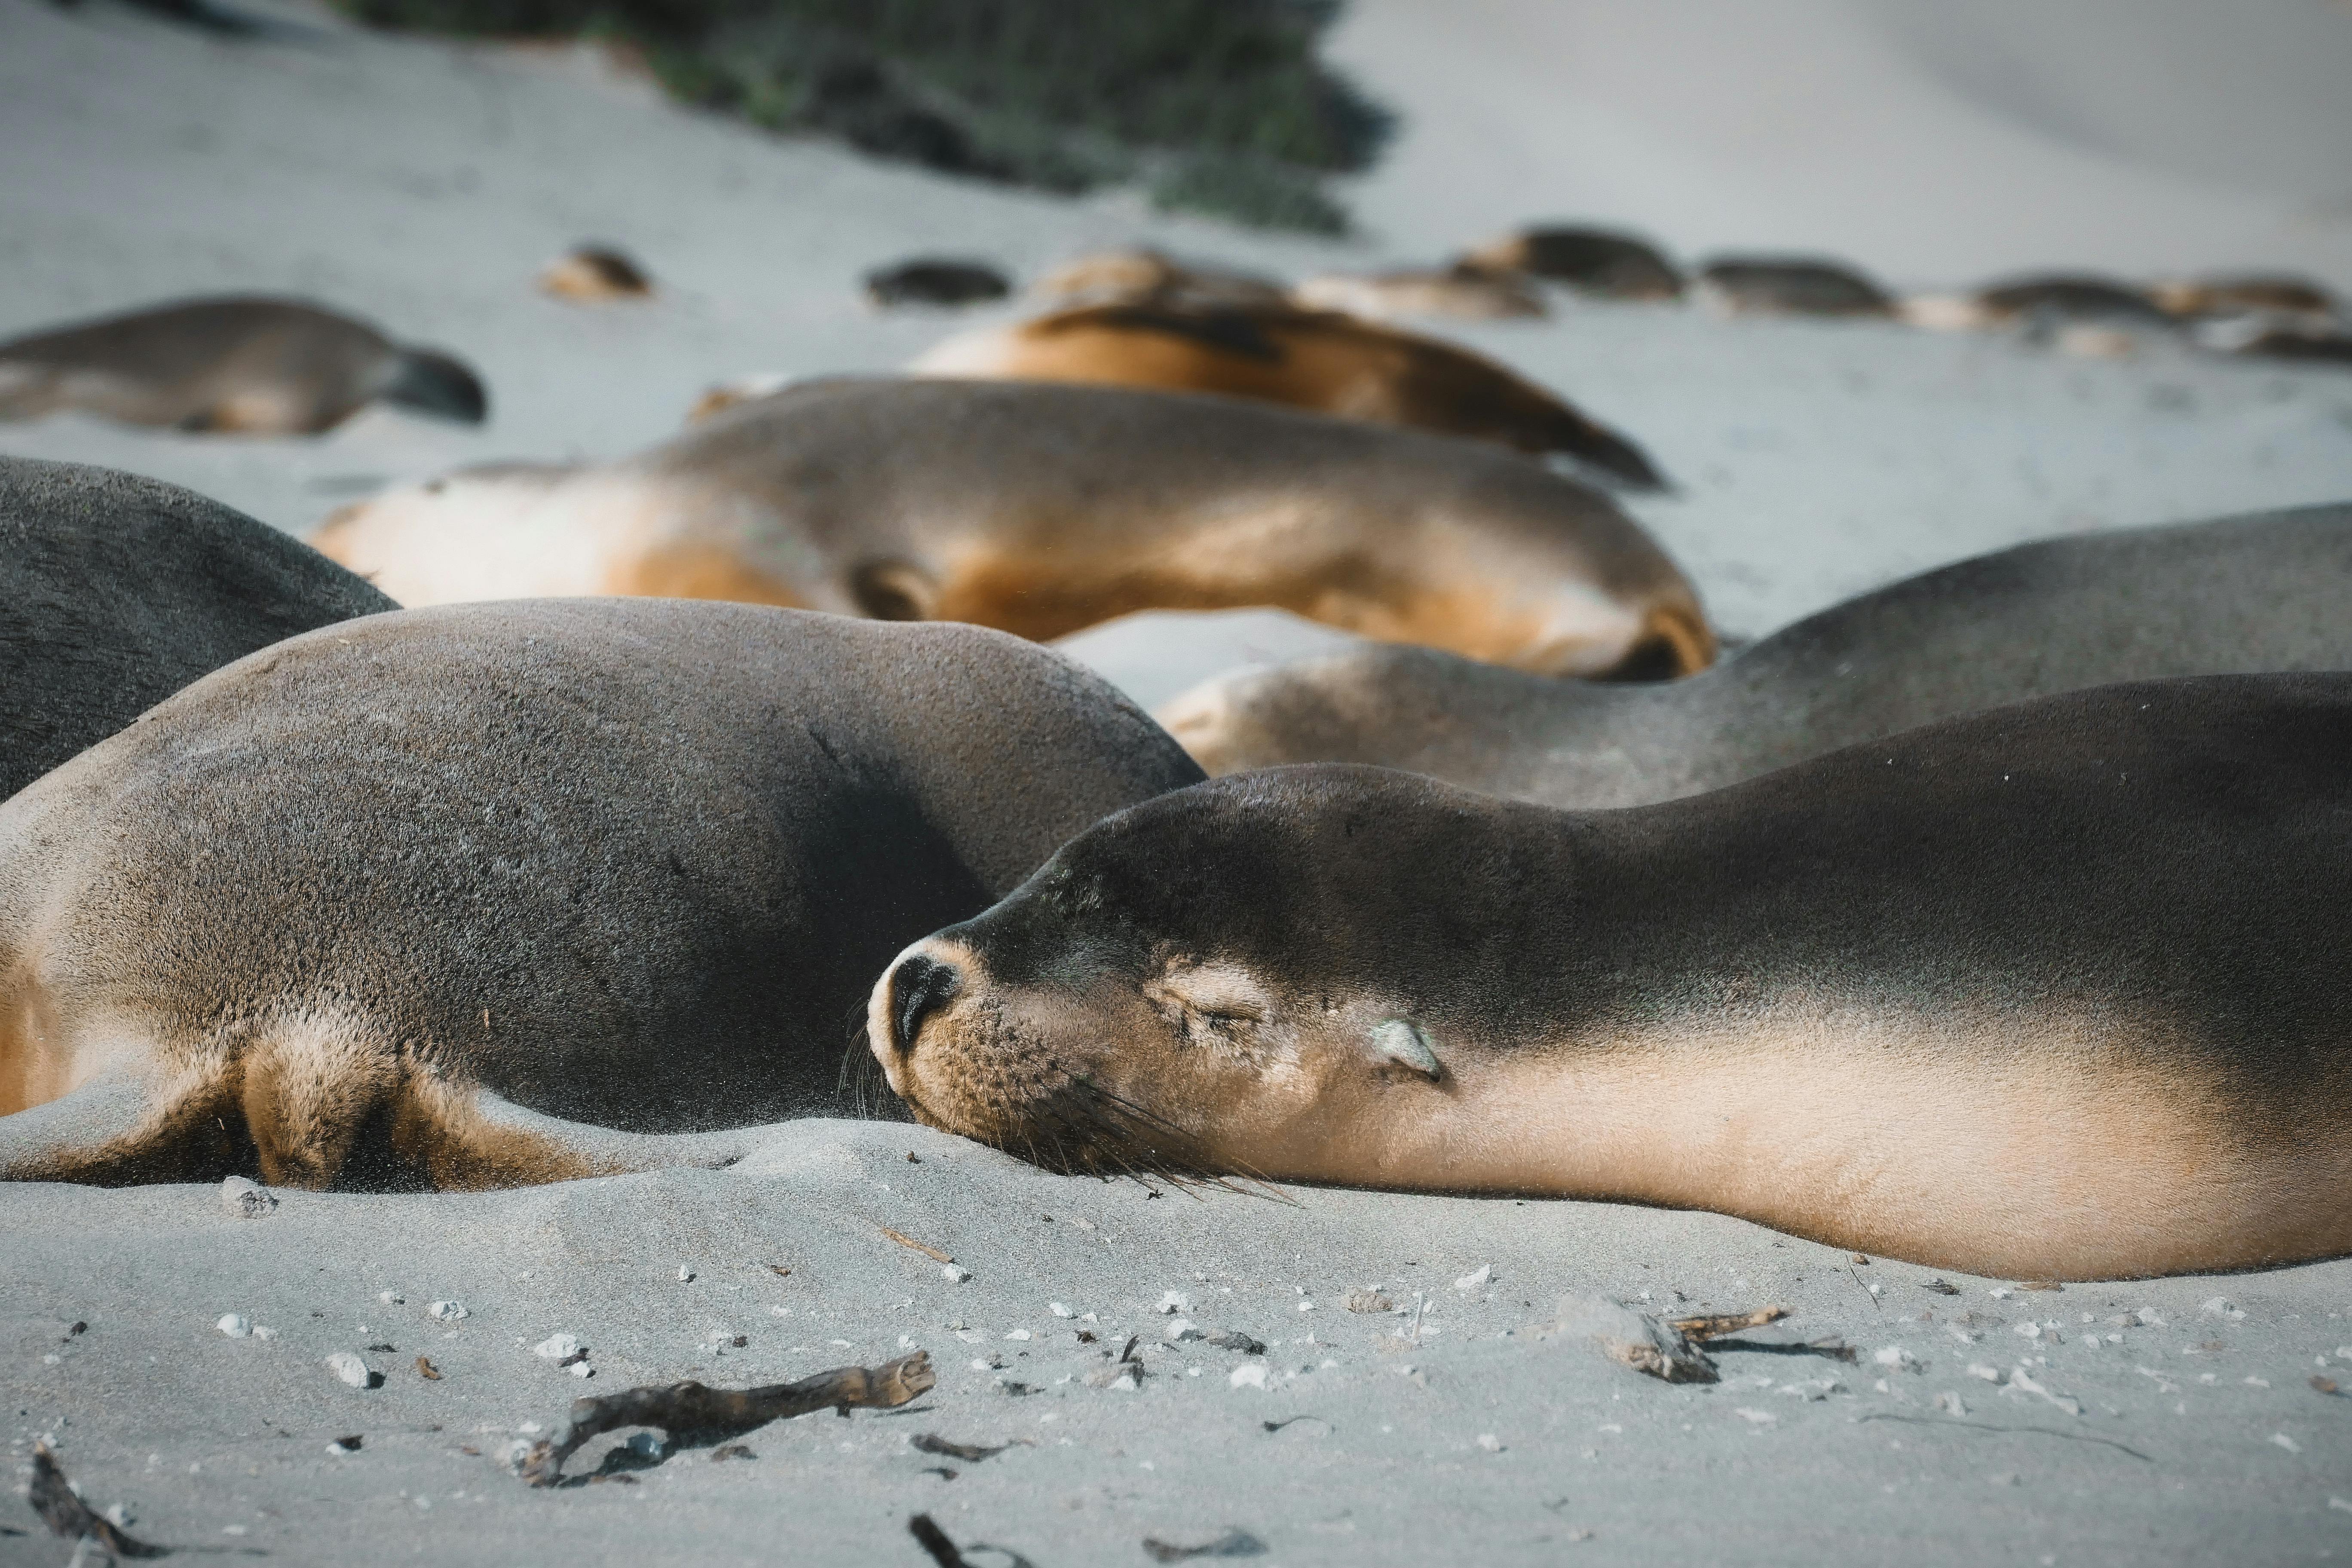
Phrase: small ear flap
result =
(894, 591)
(1403, 1041)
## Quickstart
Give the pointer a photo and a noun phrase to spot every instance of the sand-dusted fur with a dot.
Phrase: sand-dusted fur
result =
(1146, 276)
(1041, 508)
(1327, 361)
(254, 366)
(115, 592)
(2267, 592)
(2053, 991)
(406, 900)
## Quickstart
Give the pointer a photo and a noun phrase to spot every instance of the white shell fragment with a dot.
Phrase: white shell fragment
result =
(685, 1275)
(246, 1199)
(1477, 1280)
(1401, 1041)
(1174, 1302)
(557, 1347)
(348, 1367)
(1489, 1442)
(1179, 1329)
(1250, 1375)
(447, 1311)
(1060, 1308)
(235, 1325)
(2223, 1306)
(392, 1298)
(1896, 1358)
(954, 1273)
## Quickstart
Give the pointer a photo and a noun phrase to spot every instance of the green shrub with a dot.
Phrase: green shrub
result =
(1222, 104)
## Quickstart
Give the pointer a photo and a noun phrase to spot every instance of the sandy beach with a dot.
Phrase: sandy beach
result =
(422, 184)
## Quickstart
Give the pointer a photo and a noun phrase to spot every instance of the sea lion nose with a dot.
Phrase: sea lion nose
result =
(920, 986)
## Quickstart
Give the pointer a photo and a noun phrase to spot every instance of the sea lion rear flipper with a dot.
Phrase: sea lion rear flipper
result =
(112, 1132)
(478, 1139)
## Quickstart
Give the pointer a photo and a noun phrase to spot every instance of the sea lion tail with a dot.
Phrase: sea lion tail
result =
(1674, 641)
(439, 385)
(1592, 443)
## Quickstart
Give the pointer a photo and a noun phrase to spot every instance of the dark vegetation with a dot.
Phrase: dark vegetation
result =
(1217, 106)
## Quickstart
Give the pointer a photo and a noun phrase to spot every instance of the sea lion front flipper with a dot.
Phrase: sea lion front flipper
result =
(113, 1132)
(469, 1140)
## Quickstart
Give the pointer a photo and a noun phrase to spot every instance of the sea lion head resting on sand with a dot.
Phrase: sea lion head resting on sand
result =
(1327, 361)
(1463, 292)
(1604, 262)
(250, 366)
(116, 591)
(2268, 592)
(1041, 508)
(513, 892)
(2053, 991)
(935, 281)
(1790, 286)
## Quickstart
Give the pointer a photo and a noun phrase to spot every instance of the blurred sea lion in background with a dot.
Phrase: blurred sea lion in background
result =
(1146, 277)
(248, 364)
(2295, 343)
(1041, 508)
(595, 274)
(1790, 286)
(2048, 301)
(935, 281)
(2247, 294)
(115, 592)
(1465, 292)
(2267, 592)
(1598, 261)
(489, 894)
(1327, 361)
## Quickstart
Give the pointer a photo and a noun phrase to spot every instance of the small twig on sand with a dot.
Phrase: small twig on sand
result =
(691, 1411)
(1716, 1325)
(932, 1443)
(1989, 1427)
(944, 1551)
(933, 1253)
(68, 1516)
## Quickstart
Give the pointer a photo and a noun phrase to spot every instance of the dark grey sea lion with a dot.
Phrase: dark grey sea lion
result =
(499, 893)
(2267, 592)
(1792, 285)
(115, 592)
(2055, 991)
(1599, 261)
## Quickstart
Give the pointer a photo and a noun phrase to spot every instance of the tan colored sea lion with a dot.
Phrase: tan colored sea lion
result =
(1042, 509)
(1790, 286)
(1462, 291)
(249, 365)
(1598, 261)
(595, 274)
(116, 591)
(1146, 277)
(2252, 293)
(2051, 992)
(516, 892)
(1326, 361)
(2239, 596)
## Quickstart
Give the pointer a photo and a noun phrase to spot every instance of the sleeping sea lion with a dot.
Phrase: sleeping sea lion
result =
(1463, 292)
(1598, 261)
(1146, 277)
(2044, 302)
(1041, 508)
(1326, 361)
(116, 591)
(2052, 992)
(935, 281)
(2255, 293)
(251, 365)
(446, 897)
(2268, 592)
(1790, 286)
(595, 274)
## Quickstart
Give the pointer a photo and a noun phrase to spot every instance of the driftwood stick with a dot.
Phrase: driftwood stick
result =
(688, 1410)
(68, 1516)
(1701, 1329)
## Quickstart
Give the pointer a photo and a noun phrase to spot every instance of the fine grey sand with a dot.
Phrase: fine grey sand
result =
(422, 184)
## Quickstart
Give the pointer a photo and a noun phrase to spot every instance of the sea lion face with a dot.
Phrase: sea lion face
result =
(1211, 981)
